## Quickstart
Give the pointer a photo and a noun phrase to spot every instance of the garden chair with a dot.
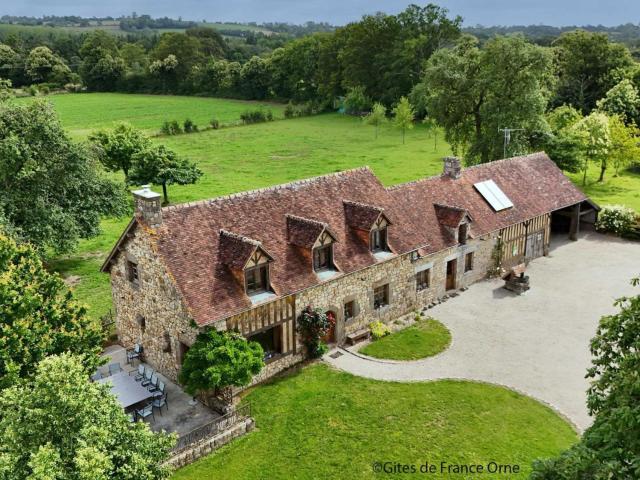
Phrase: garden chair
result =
(153, 383)
(160, 389)
(114, 368)
(139, 374)
(160, 401)
(146, 411)
(134, 353)
(148, 373)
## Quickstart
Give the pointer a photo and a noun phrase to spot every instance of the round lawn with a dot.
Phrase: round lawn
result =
(424, 338)
(321, 423)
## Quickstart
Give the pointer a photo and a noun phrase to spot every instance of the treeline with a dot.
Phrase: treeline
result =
(142, 22)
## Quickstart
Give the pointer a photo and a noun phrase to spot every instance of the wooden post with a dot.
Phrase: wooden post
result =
(575, 223)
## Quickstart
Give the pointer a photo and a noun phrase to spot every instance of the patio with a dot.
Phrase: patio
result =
(178, 416)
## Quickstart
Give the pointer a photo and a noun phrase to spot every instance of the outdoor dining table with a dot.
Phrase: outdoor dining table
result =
(126, 389)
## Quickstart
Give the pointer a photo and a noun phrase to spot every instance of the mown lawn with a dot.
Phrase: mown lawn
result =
(254, 156)
(623, 189)
(82, 113)
(320, 423)
(424, 338)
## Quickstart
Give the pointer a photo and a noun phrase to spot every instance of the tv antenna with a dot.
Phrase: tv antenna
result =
(507, 138)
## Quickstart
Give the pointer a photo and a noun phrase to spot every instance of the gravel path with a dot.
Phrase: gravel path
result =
(537, 343)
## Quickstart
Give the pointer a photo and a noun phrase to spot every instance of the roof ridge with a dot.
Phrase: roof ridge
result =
(273, 188)
(305, 220)
(472, 167)
(239, 237)
(452, 207)
(360, 204)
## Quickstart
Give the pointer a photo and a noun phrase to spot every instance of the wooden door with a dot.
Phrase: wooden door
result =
(535, 245)
(330, 337)
(451, 274)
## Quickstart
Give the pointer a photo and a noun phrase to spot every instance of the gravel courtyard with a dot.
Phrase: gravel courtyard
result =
(537, 343)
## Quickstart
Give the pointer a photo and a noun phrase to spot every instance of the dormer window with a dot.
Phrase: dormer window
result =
(257, 279)
(378, 240)
(463, 233)
(323, 258)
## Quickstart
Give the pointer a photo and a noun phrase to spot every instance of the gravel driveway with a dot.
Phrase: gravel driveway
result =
(537, 343)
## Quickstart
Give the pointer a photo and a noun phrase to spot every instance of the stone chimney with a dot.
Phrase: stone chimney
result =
(452, 167)
(148, 206)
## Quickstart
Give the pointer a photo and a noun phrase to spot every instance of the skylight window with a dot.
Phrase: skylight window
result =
(493, 195)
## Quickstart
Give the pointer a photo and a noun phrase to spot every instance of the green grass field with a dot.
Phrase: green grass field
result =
(621, 190)
(320, 423)
(82, 113)
(425, 338)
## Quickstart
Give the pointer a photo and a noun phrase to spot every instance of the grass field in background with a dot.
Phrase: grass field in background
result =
(329, 424)
(621, 190)
(85, 112)
(249, 157)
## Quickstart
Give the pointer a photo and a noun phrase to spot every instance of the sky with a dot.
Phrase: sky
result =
(339, 12)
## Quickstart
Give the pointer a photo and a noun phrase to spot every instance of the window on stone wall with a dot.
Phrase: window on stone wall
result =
(142, 323)
(468, 262)
(378, 240)
(270, 340)
(133, 273)
(349, 310)
(423, 279)
(323, 258)
(463, 233)
(381, 296)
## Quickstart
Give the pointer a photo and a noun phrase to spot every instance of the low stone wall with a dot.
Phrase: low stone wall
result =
(209, 445)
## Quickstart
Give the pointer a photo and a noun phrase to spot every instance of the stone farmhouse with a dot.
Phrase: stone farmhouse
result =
(342, 242)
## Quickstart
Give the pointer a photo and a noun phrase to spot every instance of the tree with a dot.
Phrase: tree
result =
(53, 192)
(159, 165)
(403, 116)
(166, 69)
(212, 44)
(185, 49)
(102, 66)
(596, 142)
(622, 100)
(475, 92)
(610, 448)
(59, 425)
(564, 143)
(377, 116)
(589, 65)
(220, 359)
(625, 143)
(432, 126)
(6, 91)
(39, 316)
(356, 102)
(117, 147)
(42, 65)
(9, 61)
(255, 78)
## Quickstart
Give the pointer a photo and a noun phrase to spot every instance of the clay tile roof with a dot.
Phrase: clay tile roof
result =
(449, 216)
(235, 250)
(303, 232)
(359, 215)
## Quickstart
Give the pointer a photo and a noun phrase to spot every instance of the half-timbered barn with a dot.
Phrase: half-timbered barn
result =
(342, 242)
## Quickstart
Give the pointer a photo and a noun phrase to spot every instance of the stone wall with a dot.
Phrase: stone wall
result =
(150, 313)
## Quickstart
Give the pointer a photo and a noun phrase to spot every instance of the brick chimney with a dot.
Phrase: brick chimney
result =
(148, 206)
(452, 167)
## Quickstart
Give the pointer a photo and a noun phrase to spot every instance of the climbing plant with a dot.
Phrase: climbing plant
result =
(313, 324)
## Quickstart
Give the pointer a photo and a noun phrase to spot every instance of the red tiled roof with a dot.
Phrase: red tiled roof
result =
(449, 216)
(283, 217)
(235, 250)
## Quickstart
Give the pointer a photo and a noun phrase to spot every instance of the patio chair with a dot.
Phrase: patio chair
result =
(160, 401)
(146, 411)
(114, 368)
(153, 383)
(96, 376)
(160, 389)
(139, 374)
(148, 373)
(134, 353)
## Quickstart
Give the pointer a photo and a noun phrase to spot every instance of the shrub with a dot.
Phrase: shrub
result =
(189, 126)
(290, 110)
(215, 123)
(256, 116)
(171, 128)
(616, 219)
(33, 90)
(313, 324)
(73, 87)
(44, 89)
(356, 102)
(379, 329)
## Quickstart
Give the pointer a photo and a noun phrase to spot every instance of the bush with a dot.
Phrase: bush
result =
(215, 123)
(290, 110)
(44, 89)
(73, 87)
(33, 90)
(303, 109)
(171, 128)
(616, 219)
(379, 329)
(189, 126)
(313, 324)
(256, 116)
(356, 102)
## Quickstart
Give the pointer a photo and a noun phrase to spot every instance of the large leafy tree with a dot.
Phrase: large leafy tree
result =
(255, 78)
(563, 143)
(60, 426)
(220, 359)
(162, 166)
(39, 315)
(610, 448)
(625, 143)
(102, 66)
(117, 147)
(589, 65)
(42, 65)
(53, 191)
(595, 138)
(473, 93)
(622, 100)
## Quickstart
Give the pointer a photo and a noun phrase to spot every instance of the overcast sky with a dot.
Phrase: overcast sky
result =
(486, 12)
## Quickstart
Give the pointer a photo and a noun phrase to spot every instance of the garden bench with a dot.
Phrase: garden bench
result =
(358, 336)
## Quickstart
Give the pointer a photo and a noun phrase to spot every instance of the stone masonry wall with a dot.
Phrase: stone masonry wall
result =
(166, 321)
